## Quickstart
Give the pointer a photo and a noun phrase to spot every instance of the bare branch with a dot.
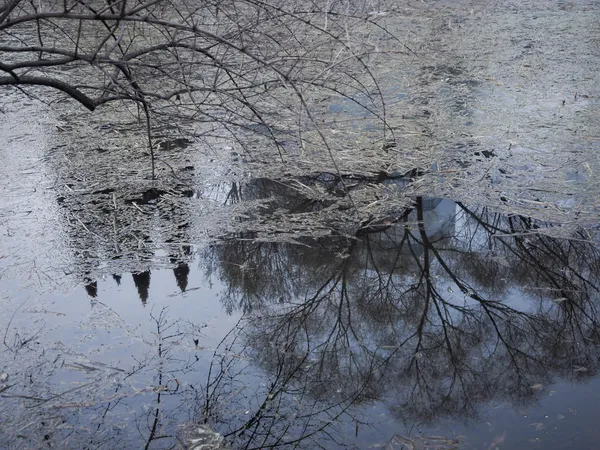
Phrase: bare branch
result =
(53, 83)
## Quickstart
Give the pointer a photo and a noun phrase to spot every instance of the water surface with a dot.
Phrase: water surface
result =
(446, 299)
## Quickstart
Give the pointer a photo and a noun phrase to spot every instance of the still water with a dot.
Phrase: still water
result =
(455, 327)
(461, 314)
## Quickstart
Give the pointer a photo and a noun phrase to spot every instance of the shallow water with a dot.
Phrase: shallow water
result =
(456, 322)
(459, 311)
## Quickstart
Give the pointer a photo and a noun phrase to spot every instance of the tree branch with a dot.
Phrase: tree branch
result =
(53, 83)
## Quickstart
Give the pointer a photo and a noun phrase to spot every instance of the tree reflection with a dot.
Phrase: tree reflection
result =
(435, 314)
(142, 284)
(431, 313)
(181, 270)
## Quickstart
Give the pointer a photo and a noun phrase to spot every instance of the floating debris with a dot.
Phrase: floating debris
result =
(200, 437)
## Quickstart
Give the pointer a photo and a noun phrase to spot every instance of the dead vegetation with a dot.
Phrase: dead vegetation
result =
(318, 126)
(346, 118)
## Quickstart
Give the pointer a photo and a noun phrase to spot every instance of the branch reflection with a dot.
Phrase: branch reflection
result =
(434, 314)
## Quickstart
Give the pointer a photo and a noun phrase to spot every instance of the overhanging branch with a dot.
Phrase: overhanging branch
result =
(53, 83)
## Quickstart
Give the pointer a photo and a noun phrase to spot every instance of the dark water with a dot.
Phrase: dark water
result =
(453, 305)
(449, 327)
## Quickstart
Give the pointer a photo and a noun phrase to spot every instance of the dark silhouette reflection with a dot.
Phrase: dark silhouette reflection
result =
(181, 273)
(91, 287)
(433, 315)
(181, 269)
(142, 283)
(282, 195)
(118, 225)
